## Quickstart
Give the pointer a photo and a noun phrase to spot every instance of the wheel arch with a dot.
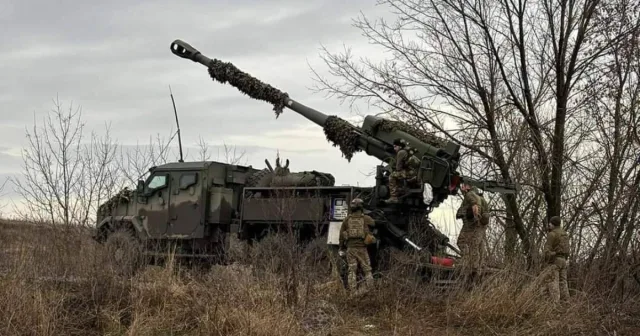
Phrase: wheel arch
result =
(113, 224)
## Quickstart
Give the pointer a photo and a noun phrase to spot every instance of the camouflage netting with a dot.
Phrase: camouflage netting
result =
(224, 72)
(124, 196)
(340, 133)
(389, 125)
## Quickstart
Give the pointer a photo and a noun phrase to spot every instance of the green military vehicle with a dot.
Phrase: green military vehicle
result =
(192, 207)
(197, 205)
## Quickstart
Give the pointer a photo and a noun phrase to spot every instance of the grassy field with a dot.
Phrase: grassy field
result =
(59, 282)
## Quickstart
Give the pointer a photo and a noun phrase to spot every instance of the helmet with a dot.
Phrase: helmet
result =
(357, 202)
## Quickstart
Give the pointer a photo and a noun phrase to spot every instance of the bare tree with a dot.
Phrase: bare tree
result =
(2, 194)
(62, 178)
(203, 150)
(100, 175)
(230, 154)
(134, 163)
(609, 219)
(499, 77)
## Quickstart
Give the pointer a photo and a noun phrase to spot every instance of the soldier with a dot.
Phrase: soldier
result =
(355, 235)
(399, 173)
(556, 251)
(482, 223)
(474, 214)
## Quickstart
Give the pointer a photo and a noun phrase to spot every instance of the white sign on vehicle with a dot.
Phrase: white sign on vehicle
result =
(333, 236)
(340, 209)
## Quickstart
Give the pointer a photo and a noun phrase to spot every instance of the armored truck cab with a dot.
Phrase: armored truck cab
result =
(188, 204)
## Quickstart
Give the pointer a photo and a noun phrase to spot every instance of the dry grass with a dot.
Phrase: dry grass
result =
(59, 282)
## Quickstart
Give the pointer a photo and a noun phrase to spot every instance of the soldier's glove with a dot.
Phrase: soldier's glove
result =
(341, 253)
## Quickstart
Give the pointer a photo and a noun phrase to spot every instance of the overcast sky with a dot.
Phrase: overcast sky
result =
(113, 59)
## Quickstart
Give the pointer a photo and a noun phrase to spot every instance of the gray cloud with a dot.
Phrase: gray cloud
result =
(10, 164)
(113, 59)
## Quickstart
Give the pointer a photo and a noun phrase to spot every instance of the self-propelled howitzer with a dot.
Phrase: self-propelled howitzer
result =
(404, 224)
(439, 158)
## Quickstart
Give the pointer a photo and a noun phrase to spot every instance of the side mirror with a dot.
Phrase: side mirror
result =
(140, 187)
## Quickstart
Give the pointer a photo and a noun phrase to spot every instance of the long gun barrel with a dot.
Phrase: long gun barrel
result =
(348, 137)
(493, 186)
(374, 138)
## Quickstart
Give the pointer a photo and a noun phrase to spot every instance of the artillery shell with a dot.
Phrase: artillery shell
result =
(226, 72)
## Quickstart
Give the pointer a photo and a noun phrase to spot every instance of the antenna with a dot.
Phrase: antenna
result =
(177, 123)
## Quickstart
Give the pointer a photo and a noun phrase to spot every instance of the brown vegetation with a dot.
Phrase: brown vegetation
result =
(541, 93)
(544, 94)
(56, 281)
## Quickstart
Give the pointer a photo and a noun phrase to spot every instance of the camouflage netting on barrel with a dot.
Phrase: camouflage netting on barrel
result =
(340, 133)
(226, 72)
(124, 196)
(389, 125)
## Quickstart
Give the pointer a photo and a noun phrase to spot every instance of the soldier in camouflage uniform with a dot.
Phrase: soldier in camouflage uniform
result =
(474, 214)
(355, 235)
(406, 168)
(556, 252)
(482, 223)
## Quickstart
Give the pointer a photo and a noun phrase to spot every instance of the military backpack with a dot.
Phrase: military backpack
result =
(563, 244)
(413, 162)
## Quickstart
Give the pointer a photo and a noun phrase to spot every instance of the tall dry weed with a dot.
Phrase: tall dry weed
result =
(57, 281)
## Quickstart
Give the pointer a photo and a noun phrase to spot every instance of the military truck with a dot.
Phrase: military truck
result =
(196, 205)
(192, 207)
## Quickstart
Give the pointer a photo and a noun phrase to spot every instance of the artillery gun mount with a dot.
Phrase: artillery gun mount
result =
(196, 205)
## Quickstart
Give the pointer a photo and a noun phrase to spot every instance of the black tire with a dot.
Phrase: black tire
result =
(124, 252)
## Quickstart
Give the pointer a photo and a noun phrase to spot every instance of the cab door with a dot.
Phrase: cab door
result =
(186, 208)
(156, 206)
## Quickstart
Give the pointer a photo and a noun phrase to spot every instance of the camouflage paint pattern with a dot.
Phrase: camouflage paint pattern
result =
(190, 200)
(555, 278)
(358, 256)
(394, 179)
(556, 250)
(468, 240)
(179, 201)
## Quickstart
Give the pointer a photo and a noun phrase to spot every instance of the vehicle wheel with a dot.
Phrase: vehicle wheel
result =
(124, 252)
